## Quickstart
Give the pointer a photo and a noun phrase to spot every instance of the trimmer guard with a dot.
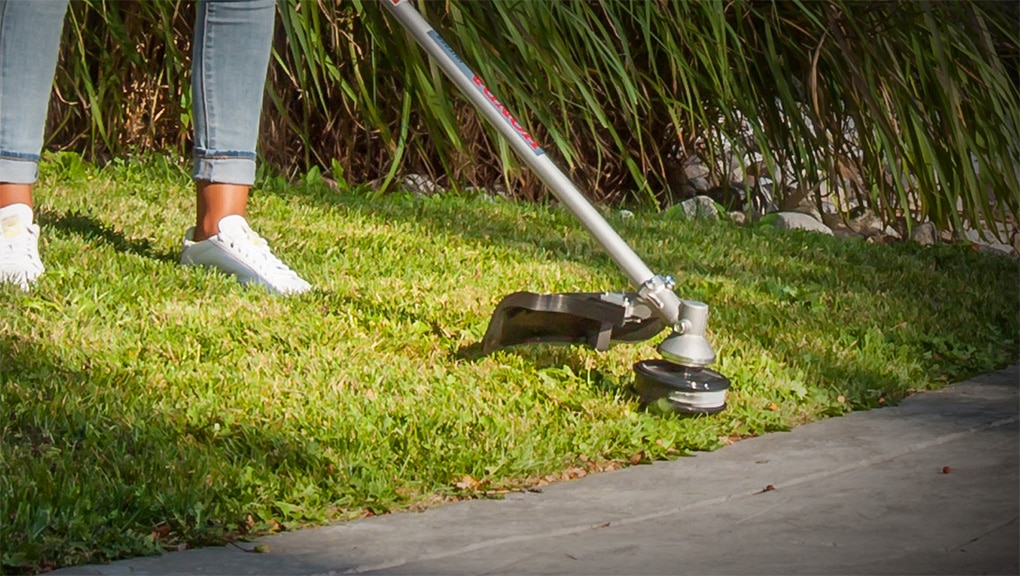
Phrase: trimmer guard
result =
(593, 319)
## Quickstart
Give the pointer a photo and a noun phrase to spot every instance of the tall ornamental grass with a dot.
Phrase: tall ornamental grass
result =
(914, 105)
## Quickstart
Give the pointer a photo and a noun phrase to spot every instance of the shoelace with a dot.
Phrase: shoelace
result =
(17, 250)
(254, 249)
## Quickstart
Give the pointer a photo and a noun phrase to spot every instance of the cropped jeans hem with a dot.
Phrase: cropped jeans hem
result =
(224, 167)
(230, 56)
(19, 169)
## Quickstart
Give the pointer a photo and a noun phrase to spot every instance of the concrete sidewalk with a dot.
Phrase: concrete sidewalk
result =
(862, 494)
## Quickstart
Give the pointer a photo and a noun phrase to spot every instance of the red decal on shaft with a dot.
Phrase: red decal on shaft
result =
(506, 113)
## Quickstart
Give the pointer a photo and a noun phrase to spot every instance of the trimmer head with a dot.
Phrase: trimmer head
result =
(598, 319)
(685, 389)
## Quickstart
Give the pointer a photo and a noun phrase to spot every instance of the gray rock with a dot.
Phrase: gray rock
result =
(833, 220)
(798, 221)
(697, 208)
(738, 217)
(694, 168)
(867, 224)
(419, 184)
(988, 241)
(753, 158)
(925, 234)
(737, 174)
(735, 169)
(838, 225)
(880, 238)
(808, 207)
(500, 190)
(997, 249)
(761, 202)
(825, 191)
(796, 200)
(700, 184)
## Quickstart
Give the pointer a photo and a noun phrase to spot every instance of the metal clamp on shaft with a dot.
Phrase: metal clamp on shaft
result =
(657, 293)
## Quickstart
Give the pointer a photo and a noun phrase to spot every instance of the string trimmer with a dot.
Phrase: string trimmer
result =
(596, 319)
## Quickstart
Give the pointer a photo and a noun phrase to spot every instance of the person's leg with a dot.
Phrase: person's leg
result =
(29, 45)
(231, 49)
(233, 39)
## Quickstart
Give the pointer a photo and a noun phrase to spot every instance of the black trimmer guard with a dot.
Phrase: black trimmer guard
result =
(593, 319)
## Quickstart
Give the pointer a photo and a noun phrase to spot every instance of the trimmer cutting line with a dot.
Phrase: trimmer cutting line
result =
(595, 319)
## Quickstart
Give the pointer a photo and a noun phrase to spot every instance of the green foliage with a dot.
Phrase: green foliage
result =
(613, 88)
(123, 82)
(144, 405)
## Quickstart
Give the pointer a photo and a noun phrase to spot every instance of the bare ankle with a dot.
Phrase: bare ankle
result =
(15, 194)
(215, 201)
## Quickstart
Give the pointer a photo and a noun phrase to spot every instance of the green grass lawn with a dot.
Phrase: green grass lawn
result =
(145, 405)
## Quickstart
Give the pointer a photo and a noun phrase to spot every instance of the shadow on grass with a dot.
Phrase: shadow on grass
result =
(87, 449)
(92, 230)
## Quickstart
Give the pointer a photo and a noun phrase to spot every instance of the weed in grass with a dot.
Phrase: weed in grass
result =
(144, 405)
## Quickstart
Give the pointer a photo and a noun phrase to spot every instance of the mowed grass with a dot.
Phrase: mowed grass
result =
(145, 405)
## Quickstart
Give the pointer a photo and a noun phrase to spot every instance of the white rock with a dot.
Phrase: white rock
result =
(738, 217)
(626, 214)
(798, 221)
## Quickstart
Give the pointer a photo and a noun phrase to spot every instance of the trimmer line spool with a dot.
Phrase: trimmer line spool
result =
(688, 390)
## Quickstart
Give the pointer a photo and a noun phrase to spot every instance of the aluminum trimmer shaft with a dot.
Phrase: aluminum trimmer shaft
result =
(686, 318)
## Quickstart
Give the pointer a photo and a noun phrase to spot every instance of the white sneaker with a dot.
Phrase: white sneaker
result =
(239, 251)
(19, 246)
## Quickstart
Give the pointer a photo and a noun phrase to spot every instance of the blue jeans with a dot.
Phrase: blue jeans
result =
(233, 39)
